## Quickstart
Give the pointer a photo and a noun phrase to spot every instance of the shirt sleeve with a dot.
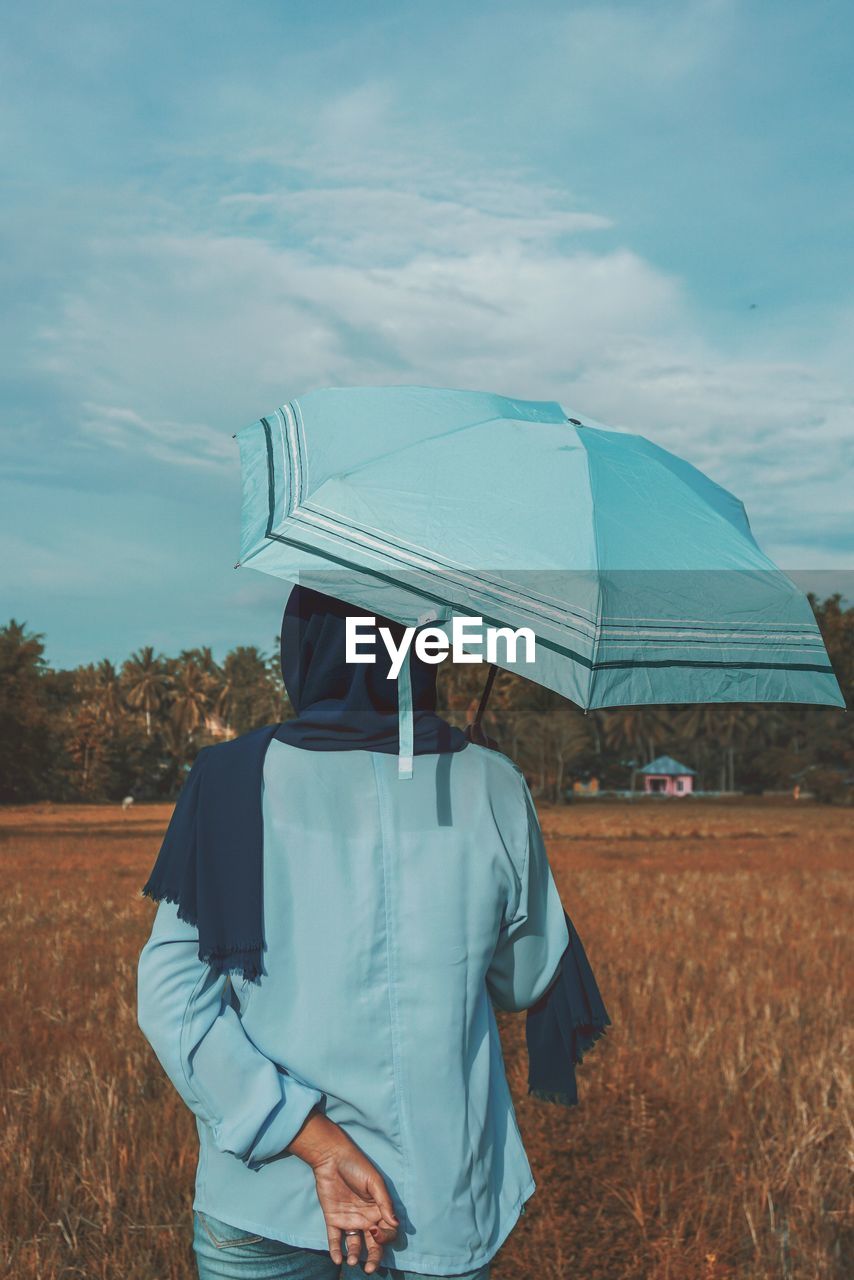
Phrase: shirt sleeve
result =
(534, 936)
(252, 1106)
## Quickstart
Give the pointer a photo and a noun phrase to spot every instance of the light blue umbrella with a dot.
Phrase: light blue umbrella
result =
(638, 575)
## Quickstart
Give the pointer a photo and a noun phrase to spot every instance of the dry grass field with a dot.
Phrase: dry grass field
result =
(715, 1126)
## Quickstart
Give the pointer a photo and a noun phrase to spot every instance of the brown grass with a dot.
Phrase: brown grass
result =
(715, 1118)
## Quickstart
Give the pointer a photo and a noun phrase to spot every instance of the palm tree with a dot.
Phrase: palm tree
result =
(698, 726)
(86, 735)
(108, 693)
(535, 707)
(202, 657)
(638, 729)
(717, 729)
(249, 691)
(146, 683)
(567, 734)
(191, 697)
(743, 722)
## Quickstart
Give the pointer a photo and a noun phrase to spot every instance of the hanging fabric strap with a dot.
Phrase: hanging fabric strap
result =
(405, 727)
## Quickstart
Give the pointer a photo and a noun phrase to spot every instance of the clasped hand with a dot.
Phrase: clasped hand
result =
(352, 1194)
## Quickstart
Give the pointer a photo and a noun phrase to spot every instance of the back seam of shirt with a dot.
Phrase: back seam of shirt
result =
(394, 1013)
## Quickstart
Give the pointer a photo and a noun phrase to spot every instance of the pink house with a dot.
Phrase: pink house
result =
(667, 777)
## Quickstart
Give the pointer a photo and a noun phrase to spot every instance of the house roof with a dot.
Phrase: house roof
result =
(666, 765)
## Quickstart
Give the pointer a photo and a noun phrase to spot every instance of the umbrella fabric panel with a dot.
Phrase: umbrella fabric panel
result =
(470, 508)
(638, 679)
(351, 426)
(422, 504)
(653, 511)
(708, 635)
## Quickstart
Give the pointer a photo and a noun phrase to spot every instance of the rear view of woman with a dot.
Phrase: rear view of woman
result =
(320, 979)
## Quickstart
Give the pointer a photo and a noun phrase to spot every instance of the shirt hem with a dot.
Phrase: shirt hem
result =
(436, 1264)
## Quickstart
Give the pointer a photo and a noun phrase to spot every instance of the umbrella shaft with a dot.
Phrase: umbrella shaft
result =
(487, 689)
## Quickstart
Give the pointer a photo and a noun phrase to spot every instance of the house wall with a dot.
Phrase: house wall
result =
(670, 787)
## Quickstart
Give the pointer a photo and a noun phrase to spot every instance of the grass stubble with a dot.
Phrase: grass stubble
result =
(714, 1135)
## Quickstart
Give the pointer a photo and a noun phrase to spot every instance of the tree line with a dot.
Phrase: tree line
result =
(98, 732)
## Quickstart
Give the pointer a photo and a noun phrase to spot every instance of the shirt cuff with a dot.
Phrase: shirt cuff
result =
(284, 1121)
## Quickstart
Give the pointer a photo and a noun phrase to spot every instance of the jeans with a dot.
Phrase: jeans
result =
(229, 1253)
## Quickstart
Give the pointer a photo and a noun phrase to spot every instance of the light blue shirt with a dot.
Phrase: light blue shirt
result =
(396, 913)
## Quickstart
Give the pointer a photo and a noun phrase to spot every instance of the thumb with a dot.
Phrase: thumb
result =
(377, 1188)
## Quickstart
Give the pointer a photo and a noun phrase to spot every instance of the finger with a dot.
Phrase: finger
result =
(353, 1245)
(377, 1188)
(333, 1235)
(375, 1250)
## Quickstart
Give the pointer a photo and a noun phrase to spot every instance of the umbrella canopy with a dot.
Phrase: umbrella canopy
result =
(638, 575)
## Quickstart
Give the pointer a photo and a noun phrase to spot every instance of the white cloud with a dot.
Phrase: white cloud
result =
(437, 273)
(176, 443)
(382, 223)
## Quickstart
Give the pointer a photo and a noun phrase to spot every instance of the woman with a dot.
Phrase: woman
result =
(320, 978)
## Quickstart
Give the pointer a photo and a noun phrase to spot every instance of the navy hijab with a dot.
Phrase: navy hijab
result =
(342, 706)
(211, 861)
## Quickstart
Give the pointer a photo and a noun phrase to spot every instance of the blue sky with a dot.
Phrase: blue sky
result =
(643, 210)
